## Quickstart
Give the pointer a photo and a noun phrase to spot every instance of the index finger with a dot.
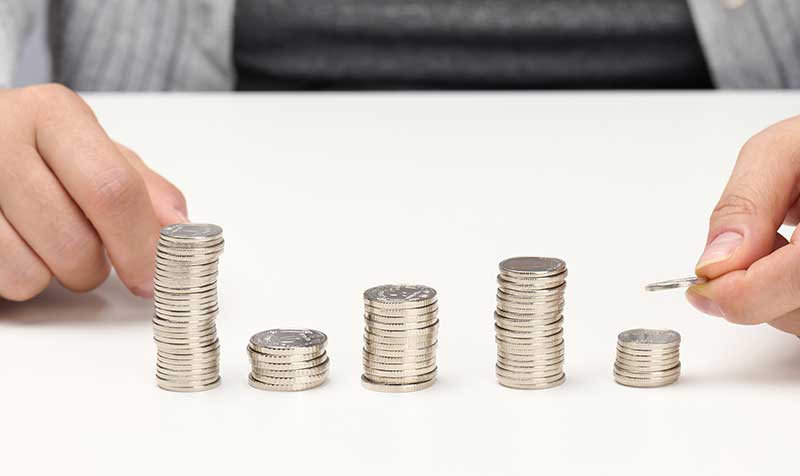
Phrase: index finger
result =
(101, 181)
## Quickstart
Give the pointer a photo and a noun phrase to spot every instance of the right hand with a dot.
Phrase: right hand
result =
(754, 272)
(71, 199)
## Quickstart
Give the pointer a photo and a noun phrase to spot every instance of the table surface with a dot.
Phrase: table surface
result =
(322, 196)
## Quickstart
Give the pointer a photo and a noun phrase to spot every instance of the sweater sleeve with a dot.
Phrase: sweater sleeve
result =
(16, 19)
(750, 44)
(142, 45)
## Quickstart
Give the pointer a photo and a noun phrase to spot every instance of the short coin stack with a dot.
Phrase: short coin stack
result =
(288, 360)
(186, 307)
(647, 358)
(529, 322)
(400, 336)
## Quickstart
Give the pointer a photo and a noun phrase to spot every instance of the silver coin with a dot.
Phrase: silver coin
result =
(172, 243)
(401, 312)
(395, 388)
(294, 387)
(650, 374)
(675, 283)
(529, 366)
(524, 284)
(402, 320)
(531, 353)
(645, 338)
(397, 359)
(645, 367)
(293, 341)
(172, 387)
(191, 231)
(529, 374)
(405, 326)
(290, 380)
(400, 296)
(645, 383)
(434, 327)
(532, 385)
(195, 251)
(292, 373)
(533, 265)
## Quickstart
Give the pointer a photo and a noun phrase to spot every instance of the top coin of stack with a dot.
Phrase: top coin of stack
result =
(186, 307)
(400, 336)
(529, 322)
(647, 358)
(288, 360)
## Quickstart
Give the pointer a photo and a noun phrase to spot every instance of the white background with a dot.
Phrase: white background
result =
(323, 196)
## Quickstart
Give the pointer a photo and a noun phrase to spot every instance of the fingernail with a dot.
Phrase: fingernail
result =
(720, 249)
(698, 297)
(145, 291)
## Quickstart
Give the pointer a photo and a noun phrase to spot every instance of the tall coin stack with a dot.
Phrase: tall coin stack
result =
(288, 360)
(400, 336)
(647, 358)
(529, 322)
(186, 307)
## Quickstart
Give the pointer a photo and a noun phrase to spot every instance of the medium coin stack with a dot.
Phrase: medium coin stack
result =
(400, 336)
(529, 322)
(288, 360)
(647, 358)
(186, 307)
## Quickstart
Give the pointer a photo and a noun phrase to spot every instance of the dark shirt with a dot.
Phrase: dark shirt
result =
(466, 44)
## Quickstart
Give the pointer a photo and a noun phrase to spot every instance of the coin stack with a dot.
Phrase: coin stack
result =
(648, 358)
(529, 322)
(288, 360)
(400, 336)
(186, 307)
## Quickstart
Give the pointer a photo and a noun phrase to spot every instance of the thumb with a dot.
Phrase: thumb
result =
(755, 202)
(169, 203)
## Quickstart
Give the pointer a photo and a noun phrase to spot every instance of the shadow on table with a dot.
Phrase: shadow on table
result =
(111, 304)
(777, 366)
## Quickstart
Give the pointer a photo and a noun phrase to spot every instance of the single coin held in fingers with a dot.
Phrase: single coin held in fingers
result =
(675, 283)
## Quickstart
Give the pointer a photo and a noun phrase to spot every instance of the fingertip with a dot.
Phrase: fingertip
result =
(699, 296)
(143, 291)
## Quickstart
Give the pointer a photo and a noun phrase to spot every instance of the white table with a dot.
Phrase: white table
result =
(322, 196)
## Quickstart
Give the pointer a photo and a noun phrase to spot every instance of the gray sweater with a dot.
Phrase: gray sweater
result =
(105, 45)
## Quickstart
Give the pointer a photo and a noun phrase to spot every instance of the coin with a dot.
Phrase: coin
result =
(675, 283)
(283, 366)
(532, 384)
(648, 339)
(288, 360)
(191, 232)
(289, 341)
(533, 266)
(647, 358)
(322, 368)
(296, 387)
(395, 388)
(400, 296)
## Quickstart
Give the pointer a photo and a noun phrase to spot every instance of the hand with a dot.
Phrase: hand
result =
(71, 199)
(754, 271)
